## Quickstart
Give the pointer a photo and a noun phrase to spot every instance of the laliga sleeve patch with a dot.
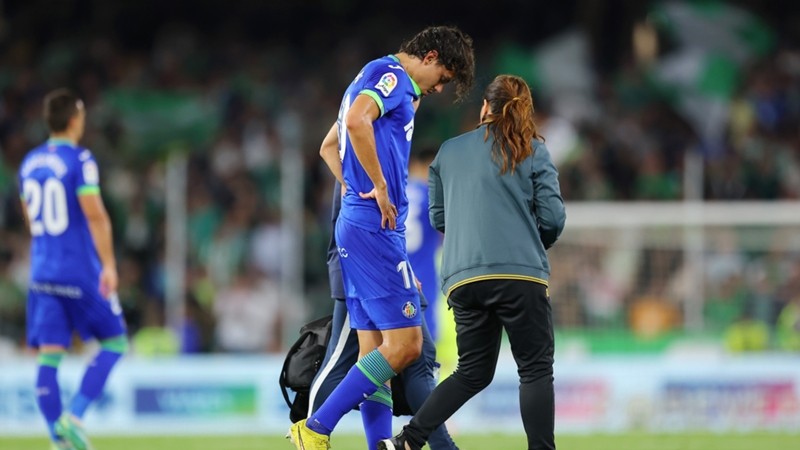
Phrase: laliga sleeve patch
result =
(387, 83)
(90, 173)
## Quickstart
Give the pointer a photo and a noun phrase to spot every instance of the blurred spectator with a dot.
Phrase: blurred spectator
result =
(747, 335)
(154, 338)
(131, 296)
(725, 304)
(653, 314)
(249, 315)
(616, 136)
(269, 244)
(12, 302)
(788, 328)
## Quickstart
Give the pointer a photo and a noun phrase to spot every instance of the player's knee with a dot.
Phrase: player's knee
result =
(404, 353)
(412, 354)
(412, 350)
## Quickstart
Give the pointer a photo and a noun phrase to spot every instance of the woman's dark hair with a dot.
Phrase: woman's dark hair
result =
(455, 53)
(60, 106)
(510, 120)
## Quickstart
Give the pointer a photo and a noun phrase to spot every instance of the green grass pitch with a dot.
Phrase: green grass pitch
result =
(472, 442)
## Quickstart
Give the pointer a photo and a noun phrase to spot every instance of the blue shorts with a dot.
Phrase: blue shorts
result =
(56, 309)
(378, 281)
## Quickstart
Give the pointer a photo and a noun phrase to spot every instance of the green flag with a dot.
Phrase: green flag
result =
(715, 27)
(715, 42)
(560, 65)
(155, 121)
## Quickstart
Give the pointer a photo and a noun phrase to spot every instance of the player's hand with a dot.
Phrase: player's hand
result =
(419, 285)
(109, 281)
(388, 210)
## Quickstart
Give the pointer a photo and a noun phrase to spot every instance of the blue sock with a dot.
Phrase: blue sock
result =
(96, 375)
(48, 395)
(363, 380)
(376, 414)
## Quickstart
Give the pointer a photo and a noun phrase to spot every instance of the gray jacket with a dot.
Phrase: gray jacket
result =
(495, 226)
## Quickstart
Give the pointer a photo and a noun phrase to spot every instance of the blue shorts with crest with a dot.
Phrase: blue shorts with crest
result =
(378, 280)
(55, 310)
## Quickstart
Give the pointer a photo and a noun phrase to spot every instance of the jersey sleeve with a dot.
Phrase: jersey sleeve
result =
(87, 180)
(384, 84)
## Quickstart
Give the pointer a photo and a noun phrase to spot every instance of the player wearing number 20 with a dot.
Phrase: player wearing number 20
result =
(73, 278)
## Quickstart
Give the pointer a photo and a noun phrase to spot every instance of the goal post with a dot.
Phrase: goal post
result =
(688, 266)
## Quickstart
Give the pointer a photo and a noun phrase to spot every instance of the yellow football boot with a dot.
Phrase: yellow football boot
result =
(305, 439)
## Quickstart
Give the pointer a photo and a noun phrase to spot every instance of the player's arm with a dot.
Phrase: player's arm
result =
(362, 113)
(329, 151)
(100, 227)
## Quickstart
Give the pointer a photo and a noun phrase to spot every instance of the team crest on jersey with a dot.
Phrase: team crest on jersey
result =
(409, 310)
(387, 84)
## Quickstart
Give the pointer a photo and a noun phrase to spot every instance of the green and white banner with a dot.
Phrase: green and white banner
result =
(715, 43)
(559, 66)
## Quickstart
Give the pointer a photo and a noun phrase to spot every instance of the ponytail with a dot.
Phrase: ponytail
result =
(511, 121)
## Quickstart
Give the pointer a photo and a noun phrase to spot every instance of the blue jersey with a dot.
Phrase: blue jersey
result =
(51, 178)
(422, 243)
(386, 82)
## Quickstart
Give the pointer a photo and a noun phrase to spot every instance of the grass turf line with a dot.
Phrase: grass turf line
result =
(639, 441)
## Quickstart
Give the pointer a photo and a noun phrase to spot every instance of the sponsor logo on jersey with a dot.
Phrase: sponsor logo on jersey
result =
(343, 252)
(387, 84)
(60, 290)
(409, 310)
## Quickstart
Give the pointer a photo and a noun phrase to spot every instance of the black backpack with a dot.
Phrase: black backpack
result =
(303, 362)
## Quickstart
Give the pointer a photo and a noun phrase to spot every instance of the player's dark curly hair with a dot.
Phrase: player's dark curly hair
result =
(455, 53)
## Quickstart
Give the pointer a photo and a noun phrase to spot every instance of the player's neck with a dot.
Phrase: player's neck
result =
(65, 136)
(408, 62)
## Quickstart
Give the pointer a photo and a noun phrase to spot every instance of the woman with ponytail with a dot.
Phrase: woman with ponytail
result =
(494, 194)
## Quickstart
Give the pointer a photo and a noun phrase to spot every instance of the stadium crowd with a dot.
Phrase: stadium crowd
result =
(226, 99)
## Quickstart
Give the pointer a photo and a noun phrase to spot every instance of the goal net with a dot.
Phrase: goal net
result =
(632, 275)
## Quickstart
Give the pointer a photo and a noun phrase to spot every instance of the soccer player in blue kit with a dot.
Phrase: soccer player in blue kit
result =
(73, 278)
(422, 241)
(417, 380)
(373, 134)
